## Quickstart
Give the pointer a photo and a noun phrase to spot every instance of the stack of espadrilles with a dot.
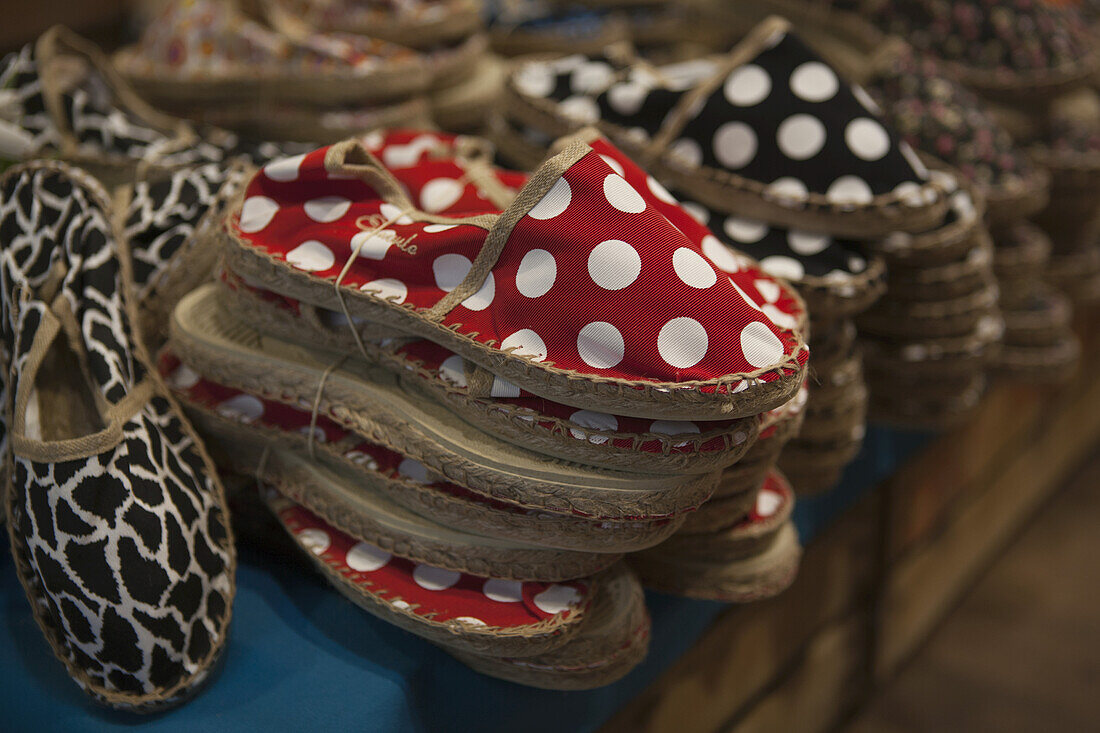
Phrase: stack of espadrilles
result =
(311, 72)
(784, 161)
(1036, 82)
(924, 97)
(466, 449)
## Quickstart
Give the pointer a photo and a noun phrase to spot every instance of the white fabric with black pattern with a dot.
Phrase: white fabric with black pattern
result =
(125, 553)
(103, 128)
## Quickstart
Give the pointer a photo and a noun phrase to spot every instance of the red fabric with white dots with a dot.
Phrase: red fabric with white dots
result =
(594, 278)
(773, 499)
(417, 158)
(435, 593)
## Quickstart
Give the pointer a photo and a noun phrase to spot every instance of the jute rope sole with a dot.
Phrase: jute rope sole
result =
(741, 581)
(521, 525)
(372, 403)
(561, 439)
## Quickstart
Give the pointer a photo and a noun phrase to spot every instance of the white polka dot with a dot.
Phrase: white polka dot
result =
(373, 140)
(769, 289)
(788, 188)
(659, 191)
(910, 193)
(534, 80)
(614, 264)
(751, 302)
(779, 318)
(450, 270)
(503, 591)
(813, 81)
(865, 100)
(256, 213)
(767, 503)
(184, 377)
(483, 298)
(387, 288)
(393, 214)
(600, 345)
(686, 153)
(626, 98)
(682, 342)
(614, 164)
(437, 228)
(555, 201)
(373, 245)
(284, 169)
(580, 109)
(453, 370)
(591, 77)
(592, 421)
(747, 86)
(327, 209)
(469, 621)
(403, 605)
(363, 459)
(807, 243)
(693, 269)
(430, 577)
(698, 212)
(557, 598)
(414, 471)
(536, 274)
(719, 254)
(311, 256)
(503, 388)
(801, 136)
(440, 194)
(734, 145)
(315, 540)
(787, 268)
(403, 156)
(366, 558)
(745, 231)
(856, 263)
(675, 427)
(622, 195)
(243, 407)
(761, 347)
(867, 139)
(849, 190)
(527, 343)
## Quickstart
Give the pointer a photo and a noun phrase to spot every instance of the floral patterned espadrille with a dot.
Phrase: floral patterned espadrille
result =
(117, 521)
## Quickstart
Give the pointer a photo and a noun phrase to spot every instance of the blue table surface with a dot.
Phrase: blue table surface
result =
(301, 657)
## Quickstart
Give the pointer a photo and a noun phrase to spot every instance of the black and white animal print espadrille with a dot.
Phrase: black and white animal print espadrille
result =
(117, 521)
(60, 97)
(169, 219)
